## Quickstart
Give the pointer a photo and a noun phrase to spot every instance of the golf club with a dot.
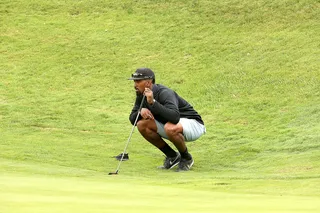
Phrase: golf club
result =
(125, 148)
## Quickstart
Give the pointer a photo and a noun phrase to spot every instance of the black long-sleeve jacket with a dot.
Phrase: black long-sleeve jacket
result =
(169, 106)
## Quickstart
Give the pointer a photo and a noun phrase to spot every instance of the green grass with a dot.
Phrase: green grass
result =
(251, 68)
(39, 194)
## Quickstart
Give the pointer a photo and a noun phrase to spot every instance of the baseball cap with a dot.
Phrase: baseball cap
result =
(142, 73)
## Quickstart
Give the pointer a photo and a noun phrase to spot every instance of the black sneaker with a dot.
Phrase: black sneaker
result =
(169, 163)
(185, 165)
(125, 157)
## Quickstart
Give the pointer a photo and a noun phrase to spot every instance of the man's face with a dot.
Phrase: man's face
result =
(140, 85)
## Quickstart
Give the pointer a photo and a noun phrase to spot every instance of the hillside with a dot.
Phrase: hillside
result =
(250, 68)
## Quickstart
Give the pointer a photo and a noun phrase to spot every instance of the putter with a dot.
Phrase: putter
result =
(125, 148)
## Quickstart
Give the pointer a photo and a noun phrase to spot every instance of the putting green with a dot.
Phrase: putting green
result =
(112, 194)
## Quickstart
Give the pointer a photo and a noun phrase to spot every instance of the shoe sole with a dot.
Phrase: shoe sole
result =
(189, 167)
(162, 167)
(173, 165)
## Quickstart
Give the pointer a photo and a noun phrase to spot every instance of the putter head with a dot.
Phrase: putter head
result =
(113, 173)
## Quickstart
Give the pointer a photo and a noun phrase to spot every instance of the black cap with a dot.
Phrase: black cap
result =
(142, 73)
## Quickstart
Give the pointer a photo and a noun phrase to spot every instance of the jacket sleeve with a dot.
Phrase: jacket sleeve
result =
(134, 111)
(167, 107)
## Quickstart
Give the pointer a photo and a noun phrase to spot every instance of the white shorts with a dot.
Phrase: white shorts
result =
(192, 129)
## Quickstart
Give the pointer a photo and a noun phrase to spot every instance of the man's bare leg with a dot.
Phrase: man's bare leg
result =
(148, 130)
(174, 133)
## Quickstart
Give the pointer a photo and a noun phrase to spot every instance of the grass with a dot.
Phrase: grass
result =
(250, 68)
(38, 194)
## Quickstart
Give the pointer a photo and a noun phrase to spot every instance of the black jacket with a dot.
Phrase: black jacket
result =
(169, 106)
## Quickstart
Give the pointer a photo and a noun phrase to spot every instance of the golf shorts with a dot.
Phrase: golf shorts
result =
(192, 129)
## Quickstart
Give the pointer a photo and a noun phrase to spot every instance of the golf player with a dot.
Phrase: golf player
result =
(164, 114)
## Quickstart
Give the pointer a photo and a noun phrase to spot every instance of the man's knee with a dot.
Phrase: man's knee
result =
(172, 129)
(141, 125)
(145, 125)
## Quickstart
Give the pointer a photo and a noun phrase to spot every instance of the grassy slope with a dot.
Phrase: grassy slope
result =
(250, 68)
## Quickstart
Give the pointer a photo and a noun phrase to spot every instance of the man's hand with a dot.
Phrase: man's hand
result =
(146, 114)
(149, 95)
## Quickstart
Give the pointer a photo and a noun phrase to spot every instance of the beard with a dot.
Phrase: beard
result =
(138, 93)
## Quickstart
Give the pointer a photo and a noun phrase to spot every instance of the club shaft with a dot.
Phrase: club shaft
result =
(129, 138)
